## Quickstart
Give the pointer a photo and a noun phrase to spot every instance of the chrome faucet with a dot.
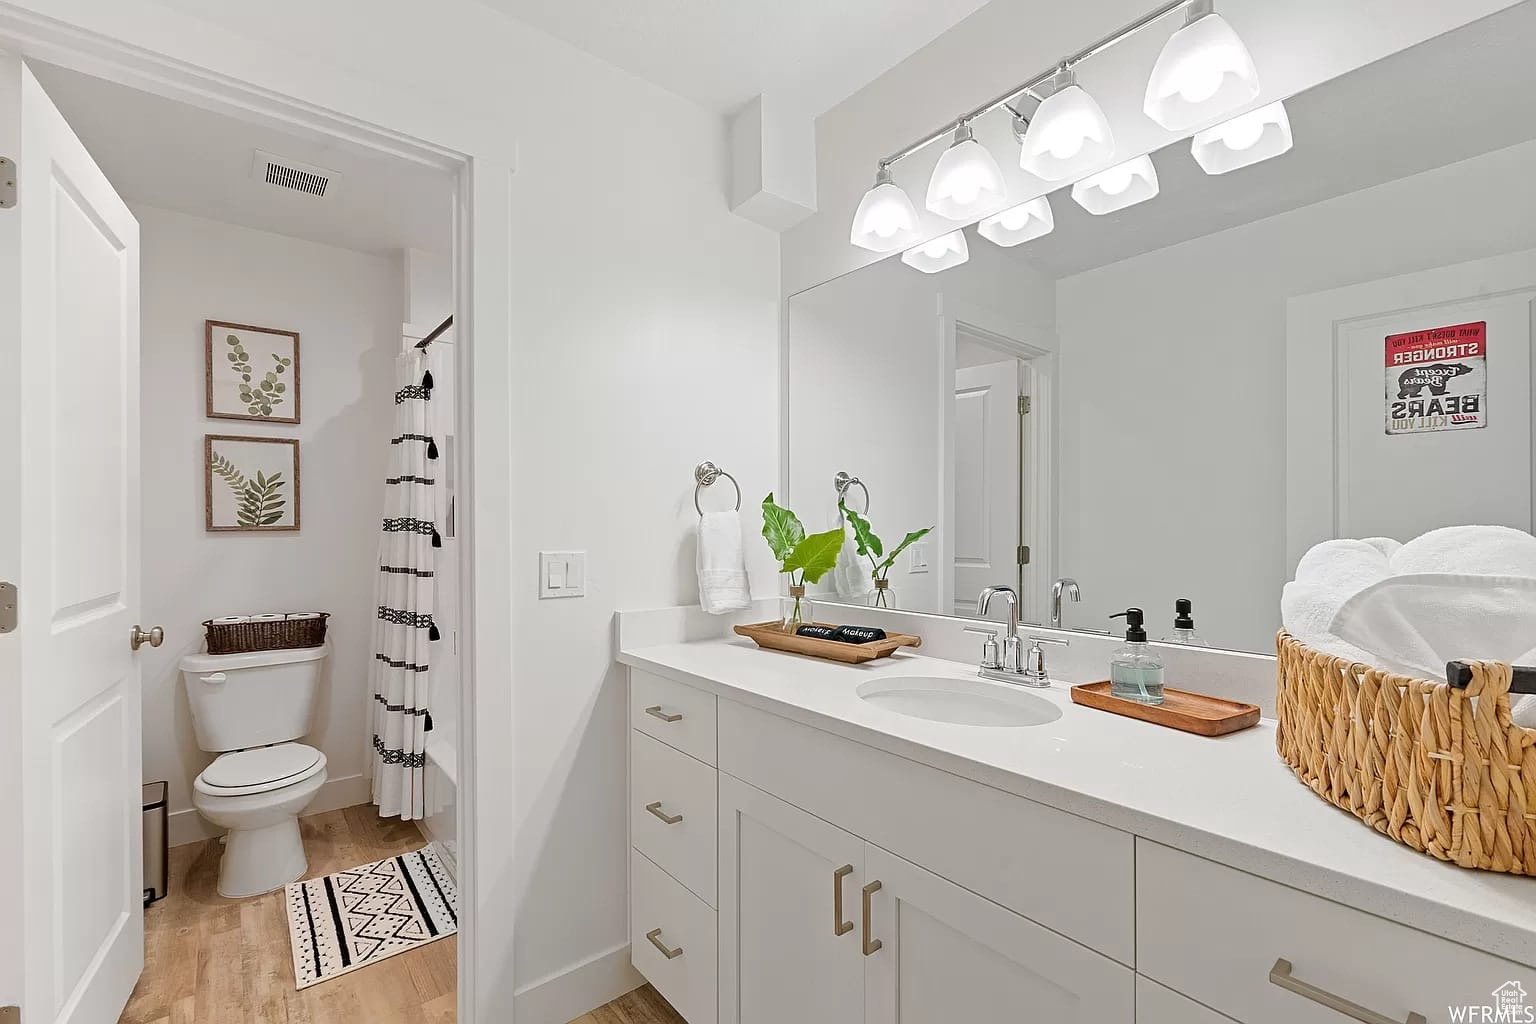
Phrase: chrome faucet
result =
(1068, 584)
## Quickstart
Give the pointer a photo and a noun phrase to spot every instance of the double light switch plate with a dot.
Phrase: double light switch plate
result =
(562, 574)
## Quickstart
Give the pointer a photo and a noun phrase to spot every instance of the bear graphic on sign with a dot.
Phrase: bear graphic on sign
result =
(1435, 376)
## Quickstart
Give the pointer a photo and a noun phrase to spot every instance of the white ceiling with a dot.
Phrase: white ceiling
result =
(165, 153)
(722, 53)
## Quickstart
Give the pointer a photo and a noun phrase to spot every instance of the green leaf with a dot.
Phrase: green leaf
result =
(906, 543)
(863, 535)
(782, 529)
(232, 340)
(815, 555)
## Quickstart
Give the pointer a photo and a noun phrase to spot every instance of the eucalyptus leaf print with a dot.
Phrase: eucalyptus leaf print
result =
(253, 373)
(262, 396)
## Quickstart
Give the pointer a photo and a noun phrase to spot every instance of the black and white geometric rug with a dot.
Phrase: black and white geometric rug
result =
(340, 922)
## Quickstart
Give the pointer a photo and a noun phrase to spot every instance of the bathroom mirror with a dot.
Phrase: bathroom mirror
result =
(1177, 399)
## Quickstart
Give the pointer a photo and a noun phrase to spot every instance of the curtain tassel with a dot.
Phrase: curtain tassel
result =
(431, 449)
(437, 538)
(433, 634)
(426, 380)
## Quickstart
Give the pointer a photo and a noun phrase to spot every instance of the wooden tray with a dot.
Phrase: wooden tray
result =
(1180, 709)
(768, 634)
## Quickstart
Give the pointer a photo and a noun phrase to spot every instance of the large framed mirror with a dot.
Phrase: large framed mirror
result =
(1175, 400)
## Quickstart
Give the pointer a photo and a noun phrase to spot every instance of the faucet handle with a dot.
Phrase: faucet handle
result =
(990, 656)
(1050, 640)
(1035, 673)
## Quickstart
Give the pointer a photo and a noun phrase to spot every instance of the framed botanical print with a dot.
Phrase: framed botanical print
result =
(250, 484)
(253, 373)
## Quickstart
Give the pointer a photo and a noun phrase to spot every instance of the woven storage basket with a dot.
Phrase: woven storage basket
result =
(1441, 769)
(280, 635)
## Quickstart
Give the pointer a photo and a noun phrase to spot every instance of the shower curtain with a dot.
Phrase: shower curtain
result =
(404, 630)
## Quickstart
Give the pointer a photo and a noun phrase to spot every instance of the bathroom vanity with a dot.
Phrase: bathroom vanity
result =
(801, 853)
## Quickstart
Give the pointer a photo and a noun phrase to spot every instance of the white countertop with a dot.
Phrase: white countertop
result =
(1229, 799)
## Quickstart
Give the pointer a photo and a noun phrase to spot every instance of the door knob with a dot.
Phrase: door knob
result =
(140, 636)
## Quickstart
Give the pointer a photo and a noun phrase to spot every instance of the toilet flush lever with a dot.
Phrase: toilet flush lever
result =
(139, 636)
(213, 677)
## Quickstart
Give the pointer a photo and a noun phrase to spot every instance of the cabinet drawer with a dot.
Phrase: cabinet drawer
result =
(1070, 874)
(1215, 933)
(680, 716)
(672, 813)
(1158, 1005)
(672, 940)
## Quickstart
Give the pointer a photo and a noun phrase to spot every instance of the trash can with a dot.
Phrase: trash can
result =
(157, 874)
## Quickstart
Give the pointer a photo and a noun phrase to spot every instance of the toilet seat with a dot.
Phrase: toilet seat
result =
(260, 770)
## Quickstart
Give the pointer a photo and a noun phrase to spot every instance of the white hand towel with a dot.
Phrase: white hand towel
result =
(1327, 576)
(1524, 709)
(850, 577)
(722, 564)
(1479, 550)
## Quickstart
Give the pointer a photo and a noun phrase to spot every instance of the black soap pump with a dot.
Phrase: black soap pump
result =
(1184, 625)
(1135, 670)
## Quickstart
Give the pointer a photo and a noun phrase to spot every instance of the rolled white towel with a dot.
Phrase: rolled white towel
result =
(291, 616)
(231, 620)
(722, 566)
(268, 617)
(1308, 609)
(1524, 709)
(1345, 565)
(1478, 550)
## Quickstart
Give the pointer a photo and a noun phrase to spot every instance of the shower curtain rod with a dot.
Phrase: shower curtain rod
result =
(436, 333)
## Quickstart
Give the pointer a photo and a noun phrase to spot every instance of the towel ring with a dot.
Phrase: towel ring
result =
(704, 475)
(843, 482)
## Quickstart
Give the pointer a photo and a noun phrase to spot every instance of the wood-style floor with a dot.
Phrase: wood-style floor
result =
(209, 960)
(642, 1006)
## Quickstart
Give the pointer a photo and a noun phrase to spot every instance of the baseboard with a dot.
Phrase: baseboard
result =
(187, 826)
(567, 995)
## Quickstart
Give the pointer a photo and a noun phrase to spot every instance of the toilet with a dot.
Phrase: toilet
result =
(250, 709)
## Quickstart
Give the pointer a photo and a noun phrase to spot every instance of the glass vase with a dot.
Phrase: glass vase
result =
(883, 596)
(797, 610)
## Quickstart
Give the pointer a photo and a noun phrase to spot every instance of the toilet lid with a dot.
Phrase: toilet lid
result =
(261, 768)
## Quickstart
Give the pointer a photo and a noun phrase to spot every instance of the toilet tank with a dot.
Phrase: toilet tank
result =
(253, 699)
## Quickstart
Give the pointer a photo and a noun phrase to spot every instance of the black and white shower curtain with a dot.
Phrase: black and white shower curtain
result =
(404, 631)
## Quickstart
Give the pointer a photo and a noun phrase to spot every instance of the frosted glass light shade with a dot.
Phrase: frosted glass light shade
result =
(967, 181)
(1204, 71)
(1068, 137)
(1019, 224)
(1117, 187)
(938, 254)
(1243, 141)
(885, 220)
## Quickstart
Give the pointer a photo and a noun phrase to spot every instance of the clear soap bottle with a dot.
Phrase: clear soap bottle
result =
(1184, 625)
(1135, 670)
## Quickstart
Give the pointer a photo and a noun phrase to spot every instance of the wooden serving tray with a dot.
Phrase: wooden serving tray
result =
(770, 635)
(1180, 709)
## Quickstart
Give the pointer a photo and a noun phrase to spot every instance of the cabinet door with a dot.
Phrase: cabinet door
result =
(945, 955)
(786, 953)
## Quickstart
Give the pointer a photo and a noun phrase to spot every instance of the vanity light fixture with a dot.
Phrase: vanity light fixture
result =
(1117, 187)
(1069, 134)
(1243, 141)
(938, 254)
(1204, 71)
(886, 220)
(1019, 224)
(966, 181)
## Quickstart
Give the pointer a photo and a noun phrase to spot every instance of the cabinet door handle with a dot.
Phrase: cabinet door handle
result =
(1280, 975)
(670, 819)
(654, 935)
(839, 926)
(656, 712)
(871, 946)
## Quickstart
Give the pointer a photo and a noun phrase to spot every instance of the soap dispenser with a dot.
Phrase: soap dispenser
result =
(1135, 670)
(1184, 625)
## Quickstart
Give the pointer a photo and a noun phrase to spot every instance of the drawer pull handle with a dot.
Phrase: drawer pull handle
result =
(670, 819)
(654, 935)
(656, 712)
(871, 946)
(839, 926)
(1280, 974)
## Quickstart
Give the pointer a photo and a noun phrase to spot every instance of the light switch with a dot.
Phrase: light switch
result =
(562, 574)
(919, 551)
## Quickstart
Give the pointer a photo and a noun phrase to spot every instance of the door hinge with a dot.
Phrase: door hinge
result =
(7, 625)
(1023, 405)
(7, 200)
(10, 1015)
(1023, 554)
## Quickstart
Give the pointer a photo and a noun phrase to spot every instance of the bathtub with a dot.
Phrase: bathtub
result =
(441, 824)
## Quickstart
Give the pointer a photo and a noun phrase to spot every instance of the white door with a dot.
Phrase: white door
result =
(986, 460)
(947, 955)
(789, 912)
(69, 539)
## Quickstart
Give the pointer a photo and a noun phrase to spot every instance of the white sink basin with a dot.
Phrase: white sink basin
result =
(959, 701)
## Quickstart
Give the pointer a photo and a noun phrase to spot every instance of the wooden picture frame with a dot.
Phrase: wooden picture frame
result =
(242, 385)
(245, 498)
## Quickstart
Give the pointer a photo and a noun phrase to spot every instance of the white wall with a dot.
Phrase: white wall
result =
(1173, 447)
(344, 306)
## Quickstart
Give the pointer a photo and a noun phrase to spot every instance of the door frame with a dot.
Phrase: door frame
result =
(1314, 326)
(482, 191)
(1036, 351)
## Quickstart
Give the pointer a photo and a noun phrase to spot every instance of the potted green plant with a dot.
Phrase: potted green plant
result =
(804, 559)
(871, 547)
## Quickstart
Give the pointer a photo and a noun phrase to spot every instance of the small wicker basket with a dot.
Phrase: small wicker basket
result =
(277, 635)
(1440, 768)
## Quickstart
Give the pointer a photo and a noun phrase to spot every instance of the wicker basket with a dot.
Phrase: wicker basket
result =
(278, 635)
(1441, 769)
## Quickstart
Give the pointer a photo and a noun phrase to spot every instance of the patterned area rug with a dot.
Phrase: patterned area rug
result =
(340, 922)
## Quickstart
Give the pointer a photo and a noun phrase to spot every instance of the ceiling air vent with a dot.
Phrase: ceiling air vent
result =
(281, 172)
